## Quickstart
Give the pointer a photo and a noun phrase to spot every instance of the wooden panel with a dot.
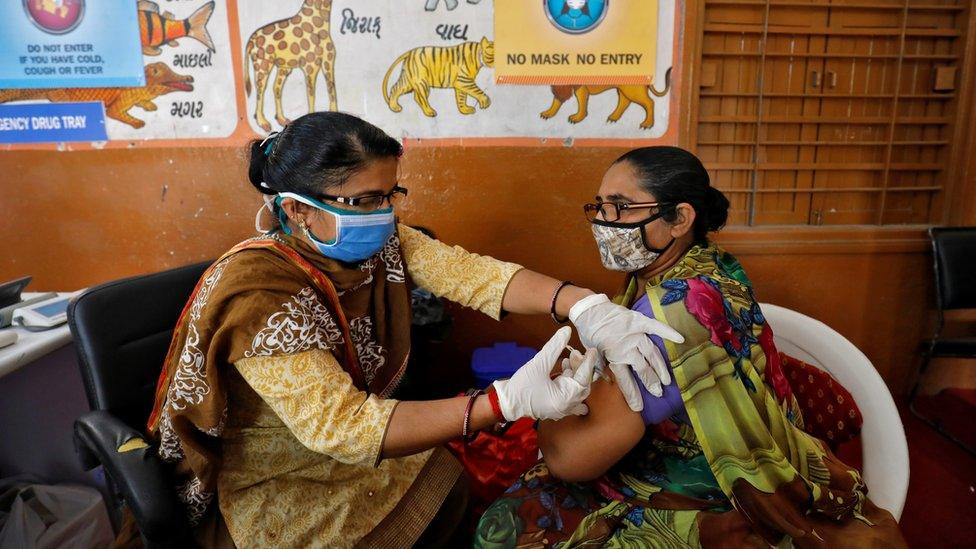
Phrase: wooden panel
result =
(848, 75)
(850, 124)
(790, 63)
(732, 142)
(919, 98)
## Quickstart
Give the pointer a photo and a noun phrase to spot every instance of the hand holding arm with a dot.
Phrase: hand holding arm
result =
(417, 426)
(531, 392)
(622, 336)
(493, 286)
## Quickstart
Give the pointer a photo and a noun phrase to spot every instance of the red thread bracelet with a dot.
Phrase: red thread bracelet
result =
(495, 406)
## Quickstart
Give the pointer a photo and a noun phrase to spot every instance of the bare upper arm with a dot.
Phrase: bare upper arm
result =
(579, 448)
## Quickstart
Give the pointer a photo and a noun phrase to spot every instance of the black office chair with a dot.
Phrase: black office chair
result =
(122, 330)
(954, 252)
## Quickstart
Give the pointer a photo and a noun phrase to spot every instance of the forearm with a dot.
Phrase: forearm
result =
(481, 282)
(530, 292)
(416, 426)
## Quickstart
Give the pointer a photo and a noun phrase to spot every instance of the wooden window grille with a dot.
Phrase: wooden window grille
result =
(817, 112)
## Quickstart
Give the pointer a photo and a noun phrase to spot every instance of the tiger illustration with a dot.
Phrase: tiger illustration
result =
(441, 67)
(625, 96)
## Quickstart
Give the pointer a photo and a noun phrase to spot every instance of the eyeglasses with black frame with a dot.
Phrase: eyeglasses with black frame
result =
(369, 202)
(611, 210)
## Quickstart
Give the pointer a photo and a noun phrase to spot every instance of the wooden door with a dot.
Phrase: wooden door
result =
(830, 112)
(791, 103)
(860, 79)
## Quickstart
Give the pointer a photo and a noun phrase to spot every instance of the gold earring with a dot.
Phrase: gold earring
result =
(301, 225)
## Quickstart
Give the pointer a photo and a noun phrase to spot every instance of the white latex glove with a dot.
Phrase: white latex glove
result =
(589, 362)
(621, 335)
(532, 393)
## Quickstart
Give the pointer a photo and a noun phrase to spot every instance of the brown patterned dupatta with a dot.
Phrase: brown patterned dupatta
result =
(273, 295)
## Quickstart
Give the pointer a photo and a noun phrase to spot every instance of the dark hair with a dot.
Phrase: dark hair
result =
(674, 176)
(317, 151)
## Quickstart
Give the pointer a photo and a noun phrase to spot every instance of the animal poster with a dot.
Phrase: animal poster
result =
(218, 72)
(424, 69)
(189, 90)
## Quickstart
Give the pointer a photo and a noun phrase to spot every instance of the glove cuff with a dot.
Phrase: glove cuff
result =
(503, 403)
(585, 304)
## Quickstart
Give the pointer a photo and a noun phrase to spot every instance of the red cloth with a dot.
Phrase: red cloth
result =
(829, 411)
(494, 462)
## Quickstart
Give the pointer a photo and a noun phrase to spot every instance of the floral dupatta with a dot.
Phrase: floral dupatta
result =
(781, 480)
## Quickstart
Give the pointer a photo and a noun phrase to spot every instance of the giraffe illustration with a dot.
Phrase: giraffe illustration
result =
(300, 42)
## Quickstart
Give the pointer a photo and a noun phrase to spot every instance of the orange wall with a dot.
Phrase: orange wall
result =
(80, 218)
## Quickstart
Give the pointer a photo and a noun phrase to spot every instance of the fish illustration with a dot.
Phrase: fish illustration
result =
(157, 29)
(160, 80)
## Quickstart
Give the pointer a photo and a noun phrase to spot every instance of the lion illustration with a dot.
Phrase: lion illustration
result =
(625, 96)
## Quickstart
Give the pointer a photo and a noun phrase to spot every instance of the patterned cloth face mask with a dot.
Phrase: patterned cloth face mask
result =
(622, 245)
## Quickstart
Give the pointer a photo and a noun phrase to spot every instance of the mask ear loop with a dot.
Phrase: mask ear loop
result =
(643, 233)
(282, 217)
(269, 205)
(656, 250)
(305, 230)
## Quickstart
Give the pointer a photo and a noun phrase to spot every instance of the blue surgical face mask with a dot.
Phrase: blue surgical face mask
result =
(359, 235)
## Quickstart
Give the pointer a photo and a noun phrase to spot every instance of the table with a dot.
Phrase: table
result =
(31, 346)
(41, 395)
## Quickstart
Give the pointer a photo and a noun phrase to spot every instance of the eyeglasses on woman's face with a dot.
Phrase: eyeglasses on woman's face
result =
(367, 203)
(611, 211)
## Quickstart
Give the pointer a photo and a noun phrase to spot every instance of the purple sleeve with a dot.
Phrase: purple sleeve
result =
(658, 409)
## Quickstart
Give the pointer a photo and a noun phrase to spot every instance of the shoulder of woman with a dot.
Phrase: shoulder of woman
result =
(678, 299)
(253, 273)
(411, 236)
(243, 265)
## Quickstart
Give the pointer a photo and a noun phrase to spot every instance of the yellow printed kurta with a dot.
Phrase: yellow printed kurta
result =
(301, 446)
(474, 281)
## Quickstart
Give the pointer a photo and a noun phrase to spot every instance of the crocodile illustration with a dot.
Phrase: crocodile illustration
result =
(160, 80)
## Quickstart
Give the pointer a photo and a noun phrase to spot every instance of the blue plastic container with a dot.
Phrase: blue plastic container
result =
(499, 361)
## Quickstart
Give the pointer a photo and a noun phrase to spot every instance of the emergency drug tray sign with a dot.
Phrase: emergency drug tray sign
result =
(52, 122)
(70, 44)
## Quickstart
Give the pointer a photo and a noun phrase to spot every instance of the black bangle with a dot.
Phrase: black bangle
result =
(466, 434)
(552, 304)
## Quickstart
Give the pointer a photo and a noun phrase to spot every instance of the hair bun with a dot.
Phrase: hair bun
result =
(717, 206)
(255, 169)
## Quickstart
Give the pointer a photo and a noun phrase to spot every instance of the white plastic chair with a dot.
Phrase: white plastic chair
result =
(883, 443)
